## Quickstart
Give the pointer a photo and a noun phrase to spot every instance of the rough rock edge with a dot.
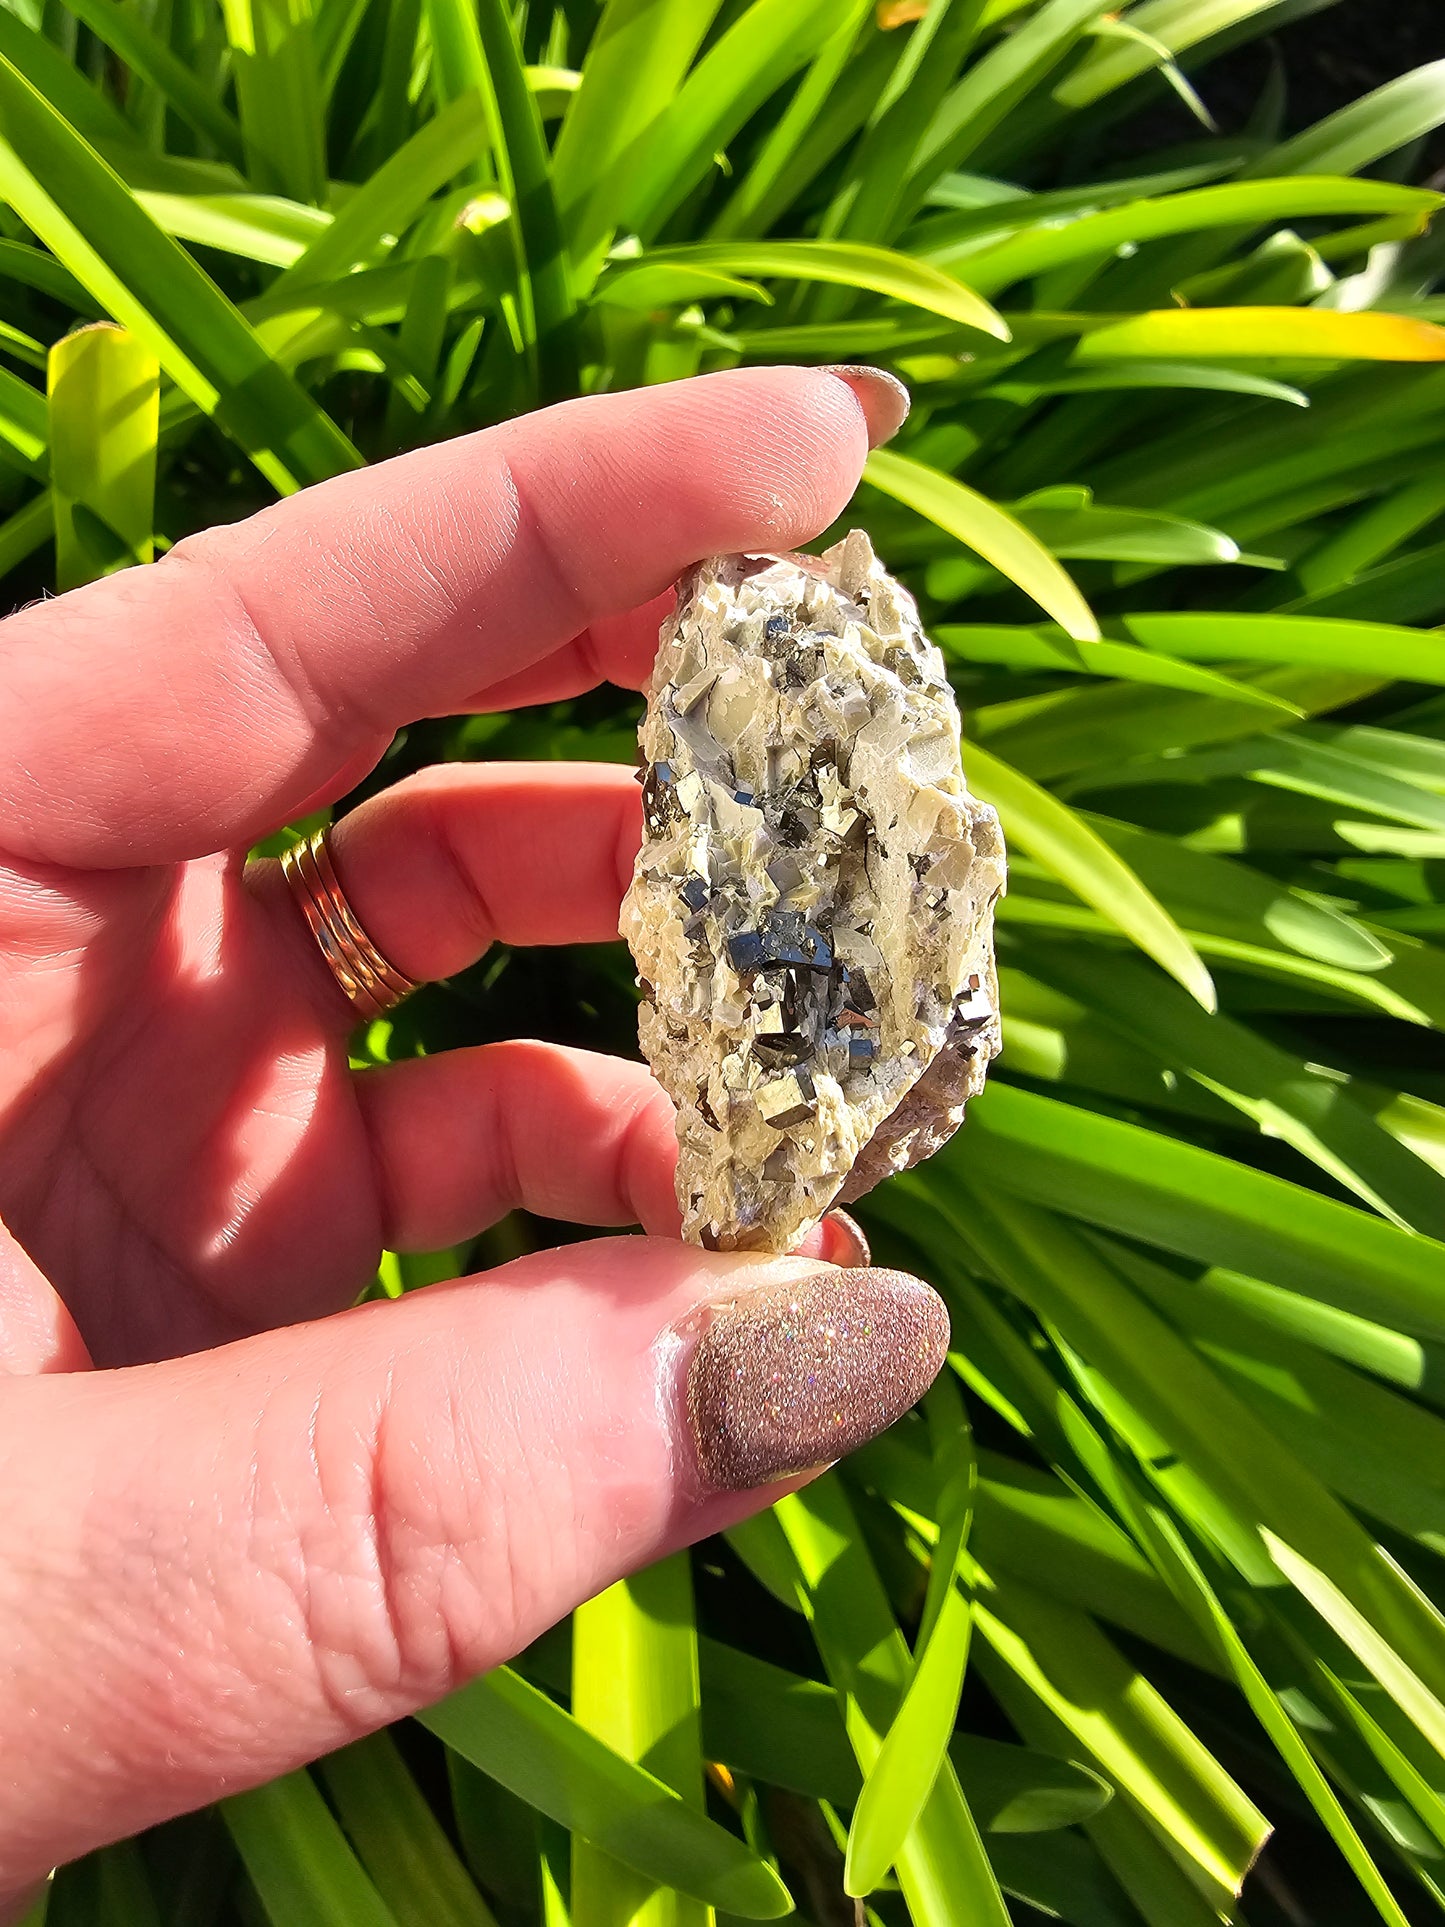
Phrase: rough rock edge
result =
(728, 709)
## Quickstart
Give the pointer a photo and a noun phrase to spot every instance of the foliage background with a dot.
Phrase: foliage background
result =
(1172, 1529)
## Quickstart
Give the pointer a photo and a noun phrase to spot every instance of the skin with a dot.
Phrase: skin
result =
(243, 1524)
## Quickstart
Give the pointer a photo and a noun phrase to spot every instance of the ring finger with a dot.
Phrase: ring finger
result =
(456, 858)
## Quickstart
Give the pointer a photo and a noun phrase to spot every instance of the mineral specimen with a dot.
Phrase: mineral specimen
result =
(812, 909)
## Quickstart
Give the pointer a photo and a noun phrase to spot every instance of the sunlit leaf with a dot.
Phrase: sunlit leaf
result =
(1290, 334)
(985, 527)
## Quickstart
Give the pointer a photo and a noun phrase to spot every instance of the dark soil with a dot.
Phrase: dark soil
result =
(1329, 58)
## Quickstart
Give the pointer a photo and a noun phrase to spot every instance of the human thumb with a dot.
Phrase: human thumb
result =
(222, 1566)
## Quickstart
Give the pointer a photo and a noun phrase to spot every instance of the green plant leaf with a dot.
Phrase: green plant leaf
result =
(524, 171)
(437, 153)
(1227, 636)
(1376, 124)
(68, 195)
(125, 32)
(1023, 648)
(902, 1777)
(398, 1838)
(636, 61)
(775, 1726)
(257, 227)
(983, 526)
(1033, 1649)
(1193, 1201)
(104, 414)
(1245, 333)
(942, 1865)
(1043, 249)
(1177, 24)
(981, 100)
(635, 1685)
(538, 1752)
(1050, 831)
(298, 1858)
(278, 91)
(850, 264)
(759, 51)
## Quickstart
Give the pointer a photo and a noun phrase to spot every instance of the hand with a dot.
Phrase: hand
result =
(219, 1566)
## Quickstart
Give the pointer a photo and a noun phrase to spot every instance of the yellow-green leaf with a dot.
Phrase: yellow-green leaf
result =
(990, 531)
(1057, 837)
(849, 264)
(104, 389)
(1291, 334)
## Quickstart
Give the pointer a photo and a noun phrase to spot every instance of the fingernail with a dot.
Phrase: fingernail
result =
(792, 1376)
(882, 397)
(845, 1242)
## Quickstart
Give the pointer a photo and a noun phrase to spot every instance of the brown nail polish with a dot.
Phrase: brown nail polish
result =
(882, 397)
(793, 1376)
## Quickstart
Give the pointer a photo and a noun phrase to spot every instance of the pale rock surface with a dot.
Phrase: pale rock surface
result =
(812, 909)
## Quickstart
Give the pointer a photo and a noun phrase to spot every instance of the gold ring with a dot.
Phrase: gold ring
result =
(369, 982)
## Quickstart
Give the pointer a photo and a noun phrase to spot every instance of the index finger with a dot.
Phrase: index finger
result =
(197, 704)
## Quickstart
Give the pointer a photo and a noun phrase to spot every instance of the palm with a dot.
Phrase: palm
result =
(184, 1153)
(182, 1149)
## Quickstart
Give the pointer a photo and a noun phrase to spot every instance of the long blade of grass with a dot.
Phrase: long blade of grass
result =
(1244, 1497)
(1024, 648)
(635, 1685)
(1040, 251)
(1311, 1111)
(902, 1777)
(1192, 1201)
(1134, 375)
(1282, 1730)
(299, 1861)
(1247, 333)
(524, 172)
(1036, 1650)
(104, 419)
(636, 61)
(1376, 124)
(522, 1738)
(397, 192)
(398, 1838)
(64, 191)
(256, 227)
(24, 426)
(777, 1727)
(759, 52)
(1359, 1632)
(942, 1866)
(55, 78)
(1179, 24)
(814, 128)
(125, 32)
(279, 94)
(865, 202)
(982, 100)
(983, 526)
(816, 92)
(1316, 641)
(1058, 838)
(849, 264)
(22, 533)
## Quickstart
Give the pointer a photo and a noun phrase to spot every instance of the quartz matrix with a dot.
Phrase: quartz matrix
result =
(811, 913)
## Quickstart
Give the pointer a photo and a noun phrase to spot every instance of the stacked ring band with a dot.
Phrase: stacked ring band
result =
(371, 984)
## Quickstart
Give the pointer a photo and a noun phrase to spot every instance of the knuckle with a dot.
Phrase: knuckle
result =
(404, 1568)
